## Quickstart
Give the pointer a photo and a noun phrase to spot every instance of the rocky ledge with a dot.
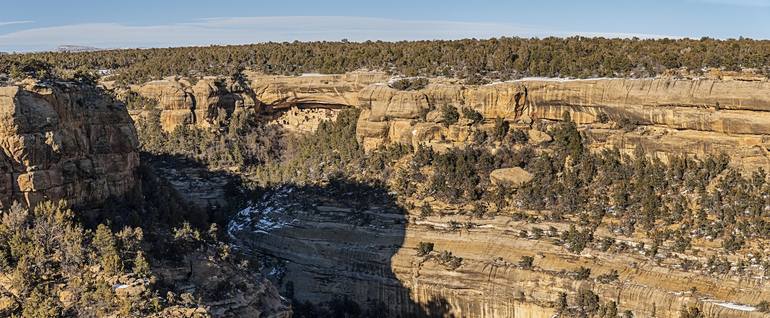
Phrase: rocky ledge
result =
(64, 140)
(664, 116)
(661, 115)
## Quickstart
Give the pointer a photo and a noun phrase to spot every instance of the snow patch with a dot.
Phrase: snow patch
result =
(731, 305)
(267, 215)
(559, 79)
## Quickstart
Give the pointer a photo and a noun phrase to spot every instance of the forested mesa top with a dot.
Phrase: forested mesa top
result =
(471, 59)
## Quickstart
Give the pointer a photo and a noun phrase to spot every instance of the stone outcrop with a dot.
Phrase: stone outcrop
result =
(692, 111)
(705, 114)
(491, 282)
(331, 244)
(224, 289)
(714, 114)
(536, 137)
(209, 100)
(213, 99)
(64, 141)
(327, 245)
(312, 89)
(513, 177)
(339, 245)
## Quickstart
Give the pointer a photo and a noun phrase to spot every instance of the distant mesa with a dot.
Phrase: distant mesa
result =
(76, 48)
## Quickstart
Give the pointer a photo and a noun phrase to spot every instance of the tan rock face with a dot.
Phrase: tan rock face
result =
(211, 99)
(202, 104)
(536, 137)
(329, 248)
(708, 113)
(170, 93)
(510, 176)
(286, 91)
(64, 141)
(333, 244)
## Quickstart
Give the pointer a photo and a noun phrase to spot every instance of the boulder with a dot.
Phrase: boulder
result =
(370, 129)
(8, 305)
(513, 177)
(386, 103)
(536, 137)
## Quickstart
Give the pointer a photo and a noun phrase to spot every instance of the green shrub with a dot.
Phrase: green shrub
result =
(450, 261)
(608, 277)
(472, 115)
(526, 262)
(424, 248)
(449, 115)
(582, 273)
(409, 84)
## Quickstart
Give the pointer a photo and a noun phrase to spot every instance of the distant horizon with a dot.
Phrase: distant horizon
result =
(57, 48)
(178, 23)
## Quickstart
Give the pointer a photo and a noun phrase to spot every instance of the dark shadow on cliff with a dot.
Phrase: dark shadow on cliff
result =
(160, 203)
(333, 245)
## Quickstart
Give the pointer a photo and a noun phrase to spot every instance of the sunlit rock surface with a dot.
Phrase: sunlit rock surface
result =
(64, 141)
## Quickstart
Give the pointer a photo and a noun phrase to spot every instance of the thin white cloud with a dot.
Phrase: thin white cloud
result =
(740, 3)
(5, 23)
(239, 30)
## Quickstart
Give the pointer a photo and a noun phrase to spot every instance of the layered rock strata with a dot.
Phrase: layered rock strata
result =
(209, 100)
(64, 141)
(663, 116)
(333, 246)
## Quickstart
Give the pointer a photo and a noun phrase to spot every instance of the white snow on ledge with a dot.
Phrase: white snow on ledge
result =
(560, 79)
(264, 216)
(565, 79)
(731, 305)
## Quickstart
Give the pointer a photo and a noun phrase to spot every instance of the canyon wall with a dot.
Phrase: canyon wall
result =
(334, 243)
(212, 99)
(74, 141)
(492, 283)
(64, 141)
(664, 116)
(330, 245)
(209, 100)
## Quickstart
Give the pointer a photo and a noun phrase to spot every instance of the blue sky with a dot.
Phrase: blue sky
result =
(46, 24)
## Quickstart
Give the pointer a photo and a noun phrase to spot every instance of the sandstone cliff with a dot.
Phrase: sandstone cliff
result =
(312, 89)
(203, 103)
(696, 112)
(663, 115)
(64, 141)
(670, 116)
(213, 99)
(333, 243)
(73, 141)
